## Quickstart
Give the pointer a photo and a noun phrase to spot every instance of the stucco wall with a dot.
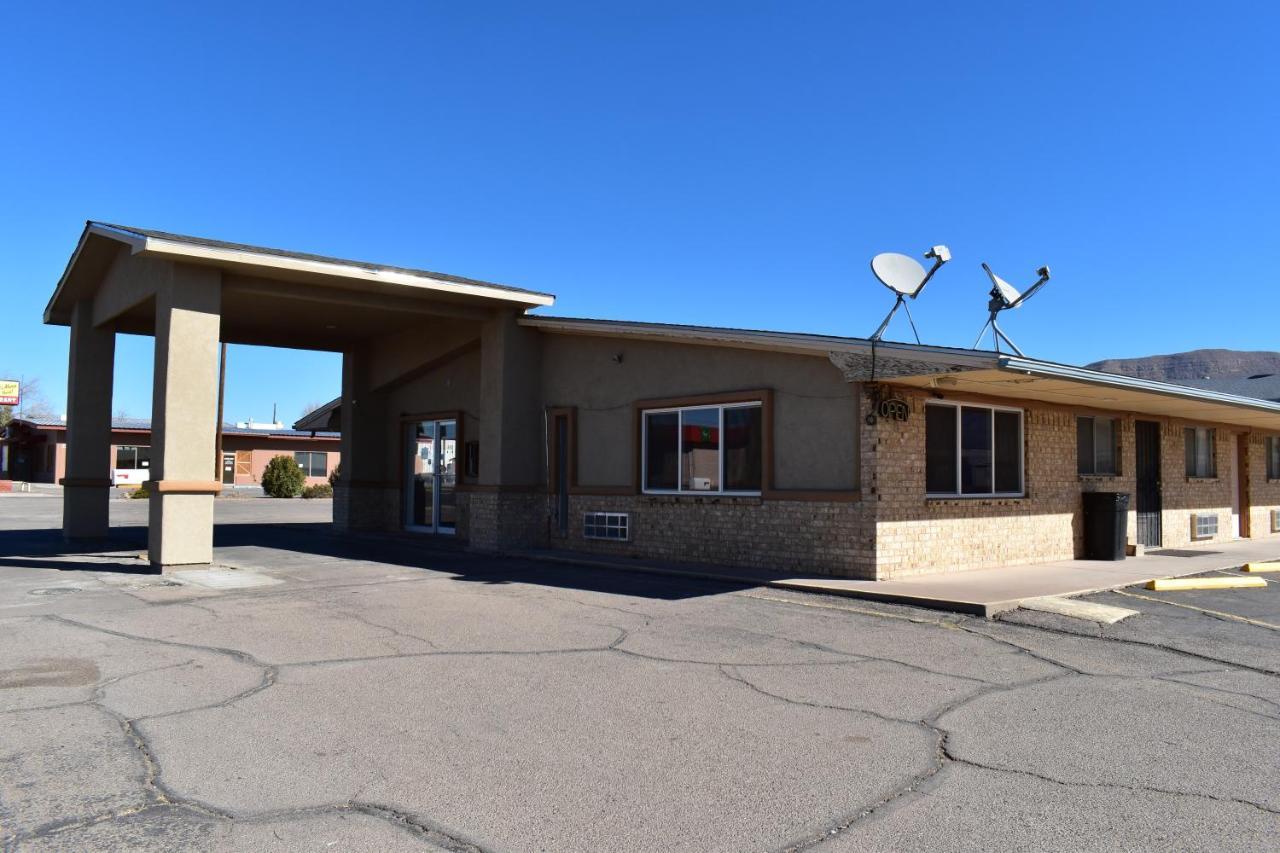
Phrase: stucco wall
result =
(815, 423)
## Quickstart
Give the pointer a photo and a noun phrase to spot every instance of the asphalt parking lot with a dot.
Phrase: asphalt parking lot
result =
(319, 692)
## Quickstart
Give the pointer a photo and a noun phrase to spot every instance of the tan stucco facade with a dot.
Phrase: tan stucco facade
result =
(544, 421)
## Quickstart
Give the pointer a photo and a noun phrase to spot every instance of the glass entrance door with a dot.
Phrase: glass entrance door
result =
(431, 501)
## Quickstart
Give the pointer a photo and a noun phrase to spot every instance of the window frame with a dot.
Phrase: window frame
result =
(959, 494)
(1272, 446)
(1191, 452)
(1115, 446)
(752, 401)
(311, 454)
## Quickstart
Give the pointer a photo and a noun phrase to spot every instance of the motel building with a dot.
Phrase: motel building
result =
(35, 450)
(468, 413)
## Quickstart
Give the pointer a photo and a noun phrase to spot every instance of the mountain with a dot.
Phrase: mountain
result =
(1200, 364)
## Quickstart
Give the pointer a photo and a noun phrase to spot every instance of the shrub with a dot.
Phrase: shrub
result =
(334, 474)
(282, 478)
(318, 490)
(140, 492)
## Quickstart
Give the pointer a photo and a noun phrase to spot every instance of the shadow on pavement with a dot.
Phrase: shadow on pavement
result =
(46, 549)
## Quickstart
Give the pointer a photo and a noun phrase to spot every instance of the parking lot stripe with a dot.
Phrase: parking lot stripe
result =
(1218, 613)
(1233, 582)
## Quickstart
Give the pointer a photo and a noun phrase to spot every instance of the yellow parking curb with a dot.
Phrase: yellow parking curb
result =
(1167, 584)
(1262, 567)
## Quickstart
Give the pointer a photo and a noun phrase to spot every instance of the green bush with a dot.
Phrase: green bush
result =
(334, 474)
(318, 490)
(283, 478)
(140, 492)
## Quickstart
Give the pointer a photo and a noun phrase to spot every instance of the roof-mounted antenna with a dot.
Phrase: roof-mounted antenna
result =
(905, 276)
(1004, 296)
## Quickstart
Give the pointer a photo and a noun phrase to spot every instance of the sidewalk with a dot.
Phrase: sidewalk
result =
(983, 592)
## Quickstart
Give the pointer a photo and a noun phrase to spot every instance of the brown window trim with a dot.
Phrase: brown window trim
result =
(763, 396)
(553, 481)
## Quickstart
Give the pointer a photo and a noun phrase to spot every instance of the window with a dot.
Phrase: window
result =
(1273, 458)
(614, 526)
(131, 457)
(704, 449)
(1097, 445)
(972, 450)
(313, 464)
(1201, 442)
(1204, 526)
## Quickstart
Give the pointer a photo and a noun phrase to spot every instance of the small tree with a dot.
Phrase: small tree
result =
(334, 475)
(283, 478)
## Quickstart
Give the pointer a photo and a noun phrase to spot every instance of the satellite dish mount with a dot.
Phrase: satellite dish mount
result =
(906, 277)
(1004, 296)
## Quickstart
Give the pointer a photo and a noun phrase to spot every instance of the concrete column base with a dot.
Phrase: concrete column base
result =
(181, 531)
(85, 505)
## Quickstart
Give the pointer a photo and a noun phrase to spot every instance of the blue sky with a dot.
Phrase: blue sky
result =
(715, 163)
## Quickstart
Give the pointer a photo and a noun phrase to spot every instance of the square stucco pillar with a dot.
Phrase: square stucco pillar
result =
(367, 493)
(87, 484)
(509, 510)
(184, 408)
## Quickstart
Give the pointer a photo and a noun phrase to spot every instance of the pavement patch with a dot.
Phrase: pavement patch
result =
(1104, 614)
(220, 578)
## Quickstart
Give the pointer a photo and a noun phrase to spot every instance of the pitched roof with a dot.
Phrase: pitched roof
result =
(1263, 386)
(144, 425)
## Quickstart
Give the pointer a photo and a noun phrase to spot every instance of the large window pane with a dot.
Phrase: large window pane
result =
(940, 449)
(661, 449)
(1105, 444)
(975, 451)
(143, 456)
(1008, 444)
(700, 450)
(125, 456)
(743, 448)
(1084, 445)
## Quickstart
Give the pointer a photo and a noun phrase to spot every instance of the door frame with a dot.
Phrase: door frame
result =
(1156, 513)
(406, 480)
(1241, 463)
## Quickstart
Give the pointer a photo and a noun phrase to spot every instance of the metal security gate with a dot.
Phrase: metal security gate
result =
(1147, 465)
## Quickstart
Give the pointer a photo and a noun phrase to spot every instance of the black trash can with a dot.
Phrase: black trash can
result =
(1106, 525)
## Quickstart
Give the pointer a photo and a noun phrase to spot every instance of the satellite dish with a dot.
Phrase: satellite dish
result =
(900, 273)
(906, 277)
(1005, 297)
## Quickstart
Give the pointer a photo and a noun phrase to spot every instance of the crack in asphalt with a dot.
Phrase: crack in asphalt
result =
(1112, 785)
(422, 828)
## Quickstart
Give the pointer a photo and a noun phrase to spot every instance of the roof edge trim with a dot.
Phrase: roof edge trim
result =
(1131, 383)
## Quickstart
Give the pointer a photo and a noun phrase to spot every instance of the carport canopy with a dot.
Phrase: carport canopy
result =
(192, 294)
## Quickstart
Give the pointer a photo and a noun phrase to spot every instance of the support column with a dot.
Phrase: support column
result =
(183, 414)
(367, 495)
(508, 510)
(87, 484)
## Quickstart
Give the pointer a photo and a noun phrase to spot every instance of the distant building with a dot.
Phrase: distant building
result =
(35, 450)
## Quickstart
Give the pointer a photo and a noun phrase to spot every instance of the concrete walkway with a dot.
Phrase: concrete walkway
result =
(982, 592)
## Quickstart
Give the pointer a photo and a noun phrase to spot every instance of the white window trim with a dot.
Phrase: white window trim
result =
(1115, 446)
(1022, 453)
(644, 448)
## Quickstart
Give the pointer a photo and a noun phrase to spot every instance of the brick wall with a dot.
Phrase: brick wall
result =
(810, 537)
(916, 535)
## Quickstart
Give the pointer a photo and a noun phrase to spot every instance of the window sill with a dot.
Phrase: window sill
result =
(693, 498)
(1087, 477)
(1203, 479)
(1001, 500)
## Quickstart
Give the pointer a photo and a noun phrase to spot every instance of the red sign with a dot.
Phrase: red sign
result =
(9, 392)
